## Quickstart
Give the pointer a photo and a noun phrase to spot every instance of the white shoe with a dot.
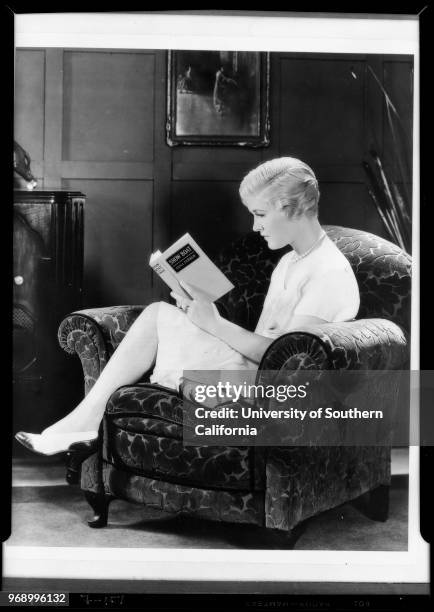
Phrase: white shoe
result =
(51, 444)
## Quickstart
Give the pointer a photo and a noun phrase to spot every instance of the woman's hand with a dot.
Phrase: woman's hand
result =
(181, 302)
(204, 314)
(200, 311)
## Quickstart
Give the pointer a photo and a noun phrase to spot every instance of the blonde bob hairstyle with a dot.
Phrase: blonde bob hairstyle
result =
(287, 183)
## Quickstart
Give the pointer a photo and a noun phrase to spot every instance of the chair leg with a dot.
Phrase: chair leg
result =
(374, 504)
(286, 540)
(295, 533)
(99, 502)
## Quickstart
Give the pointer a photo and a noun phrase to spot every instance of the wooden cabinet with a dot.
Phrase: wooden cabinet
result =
(47, 285)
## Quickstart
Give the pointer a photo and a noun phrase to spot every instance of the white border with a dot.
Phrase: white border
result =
(269, 33)
(151, 31)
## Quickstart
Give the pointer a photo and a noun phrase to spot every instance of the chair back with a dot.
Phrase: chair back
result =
(382, 270)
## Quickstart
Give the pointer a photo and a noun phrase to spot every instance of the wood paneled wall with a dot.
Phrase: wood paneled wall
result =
(94, 120)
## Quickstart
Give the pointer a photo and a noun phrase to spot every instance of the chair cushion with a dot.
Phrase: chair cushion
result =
(144, 425)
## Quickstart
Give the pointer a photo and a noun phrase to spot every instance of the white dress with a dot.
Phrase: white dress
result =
(322, 284)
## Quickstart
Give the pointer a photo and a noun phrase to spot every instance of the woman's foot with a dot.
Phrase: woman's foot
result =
(51, 444)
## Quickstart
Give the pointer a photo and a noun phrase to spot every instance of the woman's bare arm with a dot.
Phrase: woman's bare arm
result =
(250, 344)
(205, 315)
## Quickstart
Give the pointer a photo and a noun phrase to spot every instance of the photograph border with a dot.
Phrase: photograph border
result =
(427, 361)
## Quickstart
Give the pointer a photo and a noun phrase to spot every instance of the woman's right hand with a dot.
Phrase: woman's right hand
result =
(181, 302)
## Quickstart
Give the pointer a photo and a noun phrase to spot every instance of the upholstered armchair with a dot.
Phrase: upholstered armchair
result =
(141, 456)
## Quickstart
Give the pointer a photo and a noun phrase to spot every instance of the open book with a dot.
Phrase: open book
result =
(186, 261)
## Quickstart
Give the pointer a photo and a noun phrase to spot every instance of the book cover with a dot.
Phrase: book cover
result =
(185, 261)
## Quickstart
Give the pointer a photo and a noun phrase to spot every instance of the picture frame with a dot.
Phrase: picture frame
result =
(218, 98)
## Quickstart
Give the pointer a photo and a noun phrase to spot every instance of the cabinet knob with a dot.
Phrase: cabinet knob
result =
(18, 280)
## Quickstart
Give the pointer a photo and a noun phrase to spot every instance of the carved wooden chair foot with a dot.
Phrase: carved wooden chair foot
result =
(99, 503)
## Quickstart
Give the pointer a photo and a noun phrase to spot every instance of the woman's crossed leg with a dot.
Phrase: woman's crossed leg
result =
(134, 356)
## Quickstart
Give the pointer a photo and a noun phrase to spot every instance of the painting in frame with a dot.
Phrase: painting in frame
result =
(218, 98)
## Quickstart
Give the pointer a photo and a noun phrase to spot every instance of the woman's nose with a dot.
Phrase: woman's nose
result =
(256, 225)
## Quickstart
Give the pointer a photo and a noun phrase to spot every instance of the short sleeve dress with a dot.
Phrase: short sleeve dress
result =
(322, 285)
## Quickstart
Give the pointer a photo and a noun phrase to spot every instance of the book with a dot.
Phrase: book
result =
(185, 261)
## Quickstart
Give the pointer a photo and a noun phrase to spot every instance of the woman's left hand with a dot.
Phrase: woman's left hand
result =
(202, 312)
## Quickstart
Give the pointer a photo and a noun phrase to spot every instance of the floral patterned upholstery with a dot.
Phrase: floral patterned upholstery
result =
(142, 456)
(382, 269)
(211, 504)
(146, 424)
(94, 334)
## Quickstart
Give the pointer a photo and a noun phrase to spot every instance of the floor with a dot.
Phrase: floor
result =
(39, 490)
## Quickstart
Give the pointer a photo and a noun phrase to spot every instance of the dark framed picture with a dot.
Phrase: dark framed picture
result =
(218, 98)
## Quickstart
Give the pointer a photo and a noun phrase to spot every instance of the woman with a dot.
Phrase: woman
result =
(312, 284)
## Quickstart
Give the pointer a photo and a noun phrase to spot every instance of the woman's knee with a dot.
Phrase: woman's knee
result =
(148, 315)
(152, 309)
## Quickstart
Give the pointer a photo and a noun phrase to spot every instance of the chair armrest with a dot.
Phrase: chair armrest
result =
(347, 471)
(366, 344)
(93, 334)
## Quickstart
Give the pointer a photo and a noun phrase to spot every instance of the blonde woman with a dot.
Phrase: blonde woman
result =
(314, 283)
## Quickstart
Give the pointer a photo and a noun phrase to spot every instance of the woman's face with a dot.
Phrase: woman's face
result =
(271, 222)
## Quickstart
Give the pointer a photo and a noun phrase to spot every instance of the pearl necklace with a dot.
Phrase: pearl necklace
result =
(306, 253)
